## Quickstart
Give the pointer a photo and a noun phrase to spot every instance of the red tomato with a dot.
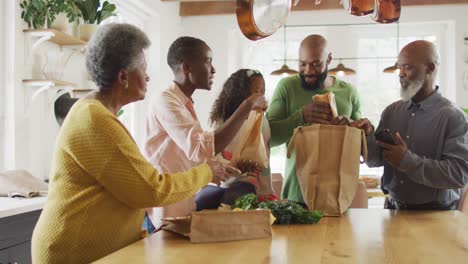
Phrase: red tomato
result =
(268, 197)
(226, 154)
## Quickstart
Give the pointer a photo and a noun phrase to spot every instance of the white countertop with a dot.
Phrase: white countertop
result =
(15, 206)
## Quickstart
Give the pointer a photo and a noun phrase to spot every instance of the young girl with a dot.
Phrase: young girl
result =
(239, 86)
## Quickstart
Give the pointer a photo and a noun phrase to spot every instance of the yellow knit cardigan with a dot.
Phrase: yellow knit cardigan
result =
(100, 184)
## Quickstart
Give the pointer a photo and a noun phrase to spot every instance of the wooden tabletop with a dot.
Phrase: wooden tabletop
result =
(360, 236)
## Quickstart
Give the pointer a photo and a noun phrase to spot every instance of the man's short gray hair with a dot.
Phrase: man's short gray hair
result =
(112, 48)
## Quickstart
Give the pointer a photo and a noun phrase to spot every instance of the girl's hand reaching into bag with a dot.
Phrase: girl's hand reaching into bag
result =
(249, 167)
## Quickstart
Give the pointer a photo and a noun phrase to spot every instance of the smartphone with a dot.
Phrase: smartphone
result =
(385, 136)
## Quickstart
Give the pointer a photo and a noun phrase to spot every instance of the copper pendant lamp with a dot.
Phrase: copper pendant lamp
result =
(391, 69)
(341, 70)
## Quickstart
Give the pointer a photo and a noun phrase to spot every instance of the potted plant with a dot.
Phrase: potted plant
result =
(42, 13)
(38, 13)
(93, 14)
(69, 13)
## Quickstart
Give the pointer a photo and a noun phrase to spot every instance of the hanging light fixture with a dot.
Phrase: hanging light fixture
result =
(394, 68)
(341, 70)
(391, 69)
(284, 70)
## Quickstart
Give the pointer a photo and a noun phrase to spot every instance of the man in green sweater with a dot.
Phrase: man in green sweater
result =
(292, 106)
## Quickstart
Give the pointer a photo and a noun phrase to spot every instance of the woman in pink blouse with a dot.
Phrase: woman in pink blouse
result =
(175, 140)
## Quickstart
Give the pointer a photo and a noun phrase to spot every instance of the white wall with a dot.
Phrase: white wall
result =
(32, 127)
(10, 81)
(2, 86)
(217, 32)
(220, 31)
(162, 25)
(162, 28)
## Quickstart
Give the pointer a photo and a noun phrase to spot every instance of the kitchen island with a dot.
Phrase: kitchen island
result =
(359, 236)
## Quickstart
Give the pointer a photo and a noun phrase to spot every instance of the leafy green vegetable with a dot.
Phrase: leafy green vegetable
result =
(284, 212)
(246, 202)
(291, 213)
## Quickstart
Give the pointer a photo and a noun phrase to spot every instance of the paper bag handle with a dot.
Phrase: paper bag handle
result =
(363, 147)
(291, 141)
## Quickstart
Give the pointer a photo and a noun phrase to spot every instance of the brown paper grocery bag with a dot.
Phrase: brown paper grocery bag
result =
(251, 145)
(327, 165)
(220, 226)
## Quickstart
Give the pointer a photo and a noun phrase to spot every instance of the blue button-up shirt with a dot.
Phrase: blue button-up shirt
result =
(435, 167)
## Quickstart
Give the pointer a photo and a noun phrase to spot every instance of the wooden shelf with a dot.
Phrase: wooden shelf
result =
(80, 92)
(42, 82)
(83, 89)
(43, 85)
(56, 36)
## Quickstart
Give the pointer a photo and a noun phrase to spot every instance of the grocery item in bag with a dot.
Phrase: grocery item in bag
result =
(327, 98)
(250, 149)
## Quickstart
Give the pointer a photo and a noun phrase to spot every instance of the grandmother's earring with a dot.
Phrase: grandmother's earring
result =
(126, 85)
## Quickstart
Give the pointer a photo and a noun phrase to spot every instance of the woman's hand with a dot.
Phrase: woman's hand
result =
(221, 172)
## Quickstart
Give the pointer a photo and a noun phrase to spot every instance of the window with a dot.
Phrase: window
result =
(368, 49)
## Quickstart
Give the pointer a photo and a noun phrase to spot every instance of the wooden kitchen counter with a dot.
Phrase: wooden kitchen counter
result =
(360, 236)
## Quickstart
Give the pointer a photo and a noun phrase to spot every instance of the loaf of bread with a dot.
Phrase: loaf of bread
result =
(327, 98)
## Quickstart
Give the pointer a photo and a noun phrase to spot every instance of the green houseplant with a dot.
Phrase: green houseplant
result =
(39, 13)
(93, 13)
(42, 13)
(69, 15)
(72, 11)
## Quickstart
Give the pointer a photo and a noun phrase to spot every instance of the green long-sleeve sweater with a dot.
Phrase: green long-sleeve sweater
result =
(285, 114)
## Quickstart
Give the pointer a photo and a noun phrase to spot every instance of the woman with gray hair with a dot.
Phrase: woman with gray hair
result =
(100, 183)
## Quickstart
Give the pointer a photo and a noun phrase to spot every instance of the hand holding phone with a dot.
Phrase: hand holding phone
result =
(392, 152)
(386, 137)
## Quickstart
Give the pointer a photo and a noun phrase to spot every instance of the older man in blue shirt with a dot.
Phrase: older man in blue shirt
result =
(428, 165)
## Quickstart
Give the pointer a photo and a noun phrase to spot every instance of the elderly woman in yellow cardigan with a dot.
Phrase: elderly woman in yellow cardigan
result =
(100, 183)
